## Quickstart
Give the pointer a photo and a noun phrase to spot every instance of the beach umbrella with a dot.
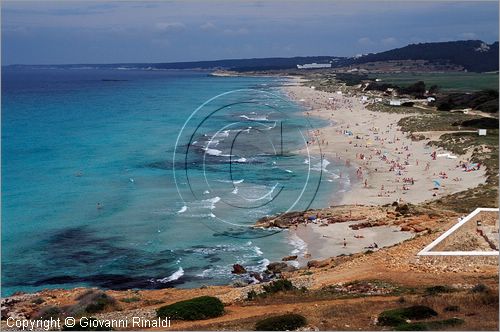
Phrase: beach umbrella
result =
(436, 183)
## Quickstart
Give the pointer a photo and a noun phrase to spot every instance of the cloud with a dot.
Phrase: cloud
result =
(208, 26)
(169, 26)
(239, 31)
(365, 41)
(389, 41)
(468, 35)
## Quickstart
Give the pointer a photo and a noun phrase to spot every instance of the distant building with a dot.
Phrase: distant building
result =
(481, 132)
(395, 102)
(314, 65)
(430, 99)
(364, 99)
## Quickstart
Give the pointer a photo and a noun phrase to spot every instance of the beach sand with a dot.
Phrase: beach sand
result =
(388, 165)
(375, 135)
(328, 241)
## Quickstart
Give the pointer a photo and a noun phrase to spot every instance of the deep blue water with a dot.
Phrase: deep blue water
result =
(93, 194)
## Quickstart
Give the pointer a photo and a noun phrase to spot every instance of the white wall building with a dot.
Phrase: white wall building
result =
(314, 65)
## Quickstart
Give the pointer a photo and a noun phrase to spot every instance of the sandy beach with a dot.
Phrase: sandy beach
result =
(388, 165)
(328, 241)
(373, 144)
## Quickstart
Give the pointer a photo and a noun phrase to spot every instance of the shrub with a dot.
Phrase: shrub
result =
(49, 312)
(433, 290)
(152, 302)
(288, 322)
(452, 308)
(399, 316)
(38, 300)
(251, 295)
(440, 324)
(429, 326)
(197, 308)
(411, 327)
(92, 302)
(87, 327)
(480, 288)
(390, 318)
(281, 285)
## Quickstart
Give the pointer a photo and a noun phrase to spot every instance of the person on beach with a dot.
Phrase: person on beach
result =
(345, 243)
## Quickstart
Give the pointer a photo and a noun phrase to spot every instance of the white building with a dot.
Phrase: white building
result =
(314, 65)
(430, 99)
(481, 132)
(395, 102)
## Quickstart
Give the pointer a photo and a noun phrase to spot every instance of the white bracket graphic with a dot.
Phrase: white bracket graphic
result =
(427, 250)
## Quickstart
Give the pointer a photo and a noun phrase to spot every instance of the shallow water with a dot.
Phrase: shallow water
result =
(95, 190)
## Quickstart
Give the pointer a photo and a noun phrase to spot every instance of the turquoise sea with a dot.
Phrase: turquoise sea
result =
(149, 179)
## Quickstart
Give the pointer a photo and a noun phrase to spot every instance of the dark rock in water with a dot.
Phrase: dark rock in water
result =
(289, 258)
(238, 269)
(279, 267)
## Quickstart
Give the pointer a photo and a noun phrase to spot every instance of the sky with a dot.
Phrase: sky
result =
(62, 32)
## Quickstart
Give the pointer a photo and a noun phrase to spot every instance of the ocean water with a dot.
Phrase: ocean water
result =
(149, 179)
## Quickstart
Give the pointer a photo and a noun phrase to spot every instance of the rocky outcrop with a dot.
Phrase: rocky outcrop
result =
(318, 264)
(238, 269)
(279, 267)
(289, 258)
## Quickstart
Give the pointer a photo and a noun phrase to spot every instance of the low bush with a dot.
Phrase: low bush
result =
(92, 302)
(480, 288)
(252, 295)
(452, 308)
(49, 312)
(434, 290)
(441, 324)
(38, 300)
(281, 285)
(399, 316)
(429, 326)
(288, 322)
(411, 327)
(203, 307)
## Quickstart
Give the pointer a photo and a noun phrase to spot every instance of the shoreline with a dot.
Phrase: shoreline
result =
(372, 136)
(318, 103)
(388, 166)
